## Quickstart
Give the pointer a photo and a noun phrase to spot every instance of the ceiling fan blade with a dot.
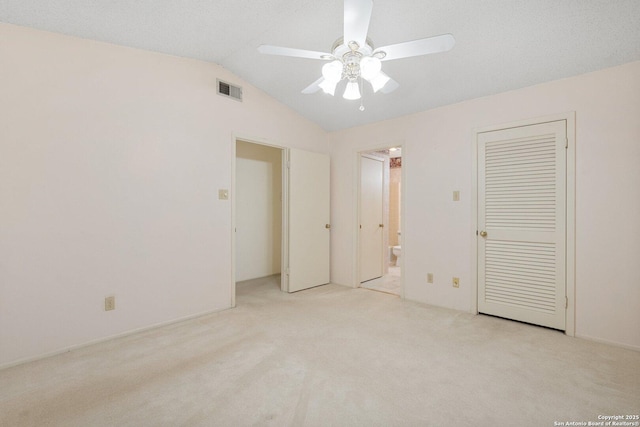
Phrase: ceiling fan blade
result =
(288, 51)
(357, 14)
(426, 46)
(390, 86)
(313, 87)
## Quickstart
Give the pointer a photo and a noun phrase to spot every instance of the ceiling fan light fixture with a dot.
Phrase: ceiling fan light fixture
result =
(370, 67)
(379, 81)
(328, 87)
(332, 71)
(352, 92)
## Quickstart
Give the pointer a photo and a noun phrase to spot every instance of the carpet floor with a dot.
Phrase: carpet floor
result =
(328, 356)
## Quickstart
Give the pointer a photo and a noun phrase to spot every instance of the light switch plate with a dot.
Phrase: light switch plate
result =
(456, 196)
(223, 194)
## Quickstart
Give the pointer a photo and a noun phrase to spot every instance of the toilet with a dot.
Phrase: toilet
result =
(397, 250)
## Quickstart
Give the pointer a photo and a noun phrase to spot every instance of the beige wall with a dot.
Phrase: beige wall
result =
(437, 158)
(110, 163)
(258, 210)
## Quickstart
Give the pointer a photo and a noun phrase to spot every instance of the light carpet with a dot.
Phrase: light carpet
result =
(328, 356)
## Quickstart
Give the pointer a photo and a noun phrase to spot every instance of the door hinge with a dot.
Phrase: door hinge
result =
(288, 271)
(288, 164)
(566, 302)
(476, 232)
(566, 143)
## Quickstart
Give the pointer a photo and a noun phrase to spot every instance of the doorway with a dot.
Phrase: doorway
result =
(379, 217)
(280, 216)
(258, 212)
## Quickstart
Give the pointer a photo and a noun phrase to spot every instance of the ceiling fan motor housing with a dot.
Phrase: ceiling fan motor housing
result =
(350, 56)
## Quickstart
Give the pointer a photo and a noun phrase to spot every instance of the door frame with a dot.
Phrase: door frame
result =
(356, 209)
(570, 118)
(284, 255)
(385, 215)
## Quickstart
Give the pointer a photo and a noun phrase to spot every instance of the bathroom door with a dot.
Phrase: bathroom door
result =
(308, 220)
(371, 217)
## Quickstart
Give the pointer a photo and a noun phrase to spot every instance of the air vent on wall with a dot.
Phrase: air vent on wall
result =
(229, 90)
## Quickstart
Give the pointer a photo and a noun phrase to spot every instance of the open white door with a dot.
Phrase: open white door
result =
(309, 225)
(371, 217)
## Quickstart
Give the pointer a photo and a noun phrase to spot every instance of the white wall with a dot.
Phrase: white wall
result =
(258, 210)
(437, 159)
(110, 163)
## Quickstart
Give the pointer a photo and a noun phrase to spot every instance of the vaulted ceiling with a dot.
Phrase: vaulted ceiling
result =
(500, 44)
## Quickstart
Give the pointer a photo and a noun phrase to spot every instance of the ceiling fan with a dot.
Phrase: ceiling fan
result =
(353, 57)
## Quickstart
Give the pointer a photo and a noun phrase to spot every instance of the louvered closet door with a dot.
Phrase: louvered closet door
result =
(521, 207)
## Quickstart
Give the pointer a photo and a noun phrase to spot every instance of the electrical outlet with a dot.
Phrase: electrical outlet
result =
(429, 277)
(110, 303)
(456, 282)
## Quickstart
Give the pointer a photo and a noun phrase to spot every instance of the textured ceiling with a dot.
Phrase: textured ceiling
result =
(501, 44)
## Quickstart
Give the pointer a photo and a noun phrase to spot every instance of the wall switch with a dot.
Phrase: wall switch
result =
(429, 277)
(456, 196)
(223, 194)
(456, 282)
(110, 303)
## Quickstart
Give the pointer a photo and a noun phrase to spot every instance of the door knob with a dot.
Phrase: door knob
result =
(381, 225)
(483, 233)
(327, 226)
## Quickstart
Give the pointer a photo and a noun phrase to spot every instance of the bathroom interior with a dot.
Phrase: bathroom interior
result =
(391, 282)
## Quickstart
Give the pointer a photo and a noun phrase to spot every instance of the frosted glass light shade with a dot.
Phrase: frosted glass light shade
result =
(379, 81)
(370, 67)
(332, 71)
(328, 87)
(352, 91)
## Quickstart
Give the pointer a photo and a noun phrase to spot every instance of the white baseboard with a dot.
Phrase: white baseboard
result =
(611, 343)
(108, 338)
